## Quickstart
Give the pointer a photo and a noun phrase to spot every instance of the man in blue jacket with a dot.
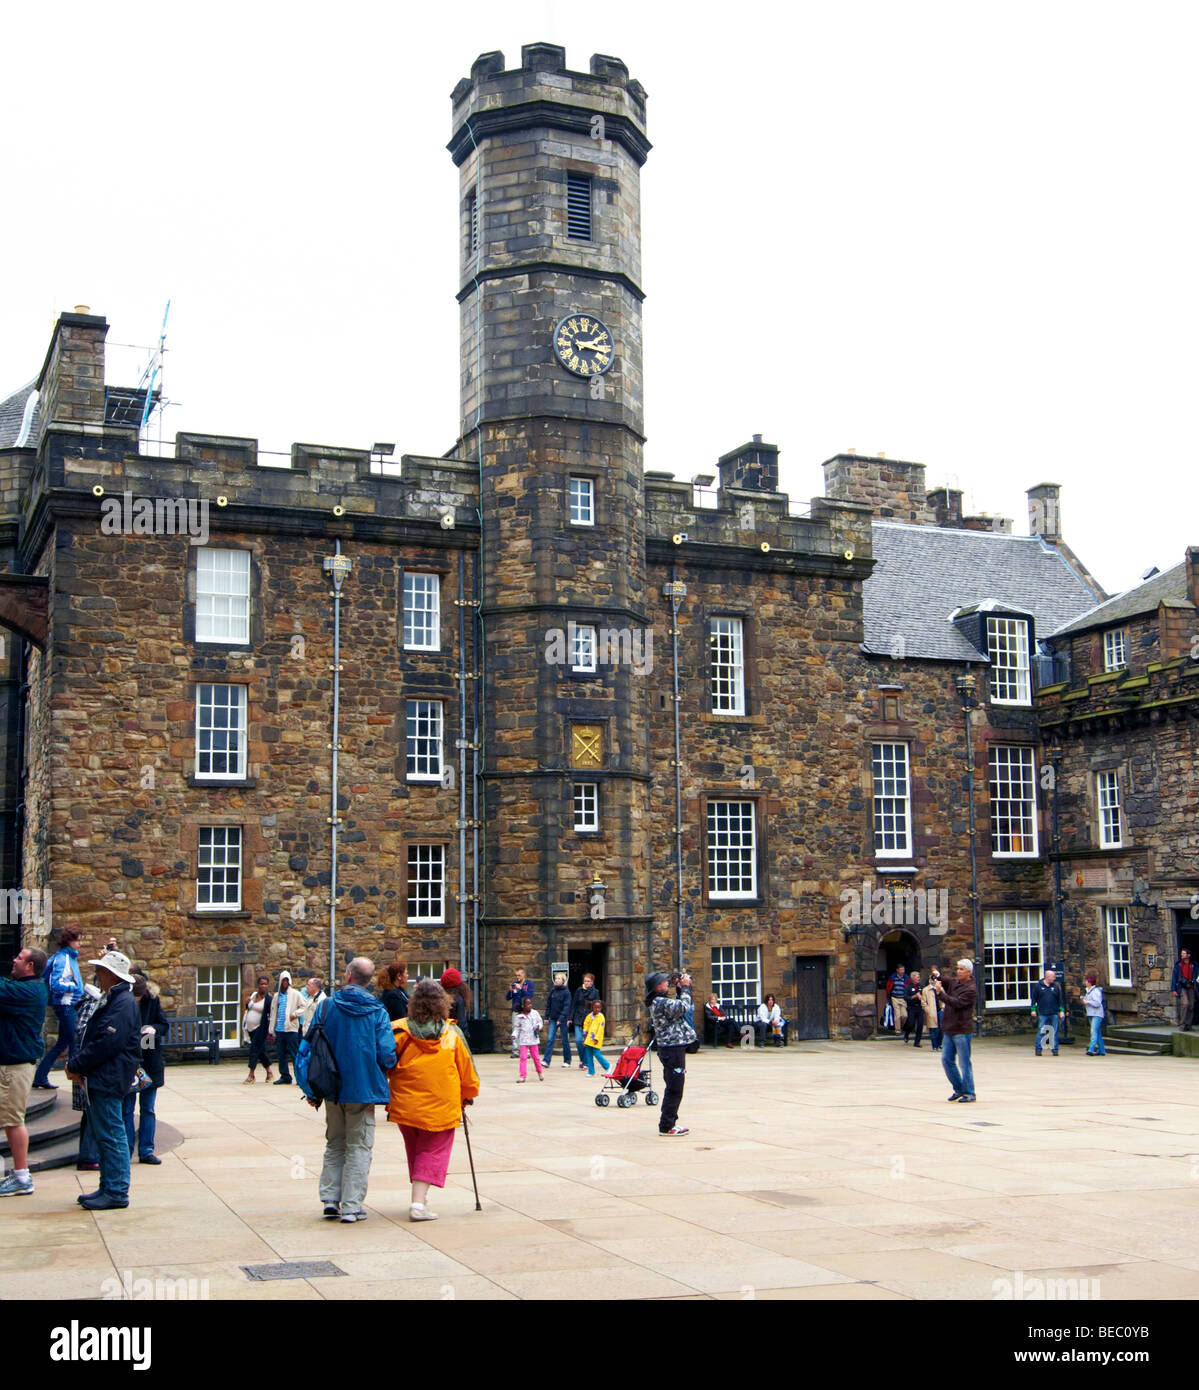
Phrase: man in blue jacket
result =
(66, 990)
(107, 1060)
(22, 1013)
(359, 1032)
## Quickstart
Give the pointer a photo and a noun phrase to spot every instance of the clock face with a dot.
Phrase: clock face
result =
(583, 345)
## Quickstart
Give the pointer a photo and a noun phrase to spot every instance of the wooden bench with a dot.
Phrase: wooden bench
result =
(188, 1034)
(738, 1015)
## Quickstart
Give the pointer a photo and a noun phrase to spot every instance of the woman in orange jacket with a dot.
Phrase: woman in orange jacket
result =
(432, 1080)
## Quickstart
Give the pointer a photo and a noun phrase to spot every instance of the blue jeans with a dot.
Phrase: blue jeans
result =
(87, 1142)
(1052, 1024)
(955, 1050)
(145, 1131)
(288, 1045)
(1096, 1044)
(579, 1043)
(106, 1120)
(551, 1035)
(64, 1043)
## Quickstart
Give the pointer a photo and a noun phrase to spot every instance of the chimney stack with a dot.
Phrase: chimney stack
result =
(71, 384)
(754, 466)
(893, 488)
(1045, 512)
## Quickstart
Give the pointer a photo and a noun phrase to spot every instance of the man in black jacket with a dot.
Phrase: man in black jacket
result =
(107, 1060)
(1048, 1008)
(22, 1010)
(585, 995)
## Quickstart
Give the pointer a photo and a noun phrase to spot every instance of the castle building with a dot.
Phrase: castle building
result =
(528, 704)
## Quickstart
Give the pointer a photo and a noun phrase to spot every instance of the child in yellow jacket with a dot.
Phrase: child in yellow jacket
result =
(593, 1038)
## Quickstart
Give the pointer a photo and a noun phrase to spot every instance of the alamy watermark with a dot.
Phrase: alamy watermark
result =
(26, 905)
(161, 1290)
(896, 907)
(584, 649)
(1022, 1289)
(127, 515)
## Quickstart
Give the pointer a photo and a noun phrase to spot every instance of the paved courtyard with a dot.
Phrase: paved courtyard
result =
(822, 1171)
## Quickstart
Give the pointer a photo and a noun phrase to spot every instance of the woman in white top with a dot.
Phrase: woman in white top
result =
(770, 1020)
(255, 1026)
(1092, 1001)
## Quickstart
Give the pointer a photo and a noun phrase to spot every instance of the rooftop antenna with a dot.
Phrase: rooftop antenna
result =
(152, 374)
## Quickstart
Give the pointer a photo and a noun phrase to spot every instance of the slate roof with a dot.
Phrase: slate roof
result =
(923, 574)
(1169, 588)
(12, 413)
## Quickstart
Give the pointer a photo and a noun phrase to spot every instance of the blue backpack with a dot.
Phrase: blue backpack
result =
(316, 1066)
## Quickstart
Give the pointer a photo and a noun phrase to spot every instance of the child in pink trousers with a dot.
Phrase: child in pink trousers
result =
(524, 1036)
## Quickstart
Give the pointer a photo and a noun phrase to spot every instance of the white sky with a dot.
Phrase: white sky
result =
(961, 233)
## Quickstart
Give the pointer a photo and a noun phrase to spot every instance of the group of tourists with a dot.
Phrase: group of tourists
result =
(768, 1025)
(354, 1057)
(579, 1015)
(112, 1031)
(405, 1050)
(278, 1019)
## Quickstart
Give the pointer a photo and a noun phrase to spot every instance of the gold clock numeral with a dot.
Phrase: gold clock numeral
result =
(602, 357)
(584, 368)
(573, 327)
(563, 344)
(574, 363)
(584, 325)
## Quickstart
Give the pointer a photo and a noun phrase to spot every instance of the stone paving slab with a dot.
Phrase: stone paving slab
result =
(829, 1171)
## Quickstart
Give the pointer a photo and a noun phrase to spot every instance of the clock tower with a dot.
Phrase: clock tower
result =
(550, 304)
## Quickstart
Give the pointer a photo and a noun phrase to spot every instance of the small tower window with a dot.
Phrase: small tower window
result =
(578, 207)
(472, 222)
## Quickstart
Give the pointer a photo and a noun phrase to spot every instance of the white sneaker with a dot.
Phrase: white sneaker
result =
(13, 1186)
(419, 1212)
(566, 1065)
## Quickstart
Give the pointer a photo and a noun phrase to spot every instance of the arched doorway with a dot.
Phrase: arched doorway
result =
(897, 947)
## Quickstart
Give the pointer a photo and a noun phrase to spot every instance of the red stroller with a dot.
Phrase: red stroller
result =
(630, 1075)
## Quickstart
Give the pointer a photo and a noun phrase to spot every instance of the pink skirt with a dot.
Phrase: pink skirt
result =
(428, 1153)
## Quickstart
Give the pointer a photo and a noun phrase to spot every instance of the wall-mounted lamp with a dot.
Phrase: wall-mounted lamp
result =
(596, 893)
(965, 685)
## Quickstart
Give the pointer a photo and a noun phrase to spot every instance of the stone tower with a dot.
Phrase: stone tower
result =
(550, 302)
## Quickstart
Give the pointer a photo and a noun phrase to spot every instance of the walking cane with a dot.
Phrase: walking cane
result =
(466, 1131)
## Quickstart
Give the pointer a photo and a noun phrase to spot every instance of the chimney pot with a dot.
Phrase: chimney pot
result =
(83, 308)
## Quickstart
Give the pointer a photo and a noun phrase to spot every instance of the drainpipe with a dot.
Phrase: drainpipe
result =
(965, 685)
(677, 591)
(1055, 753)
(337, 567)
(462, 741)
(476, 741)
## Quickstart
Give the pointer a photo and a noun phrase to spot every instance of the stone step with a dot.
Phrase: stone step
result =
(1131, 1032)
(50, 1122)
(1121, 1049)
(63, 1153)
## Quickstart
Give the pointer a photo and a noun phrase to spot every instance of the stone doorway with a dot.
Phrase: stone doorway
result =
(896, 948)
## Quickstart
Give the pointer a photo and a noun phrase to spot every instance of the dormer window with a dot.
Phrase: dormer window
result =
(1115, 650)
(1007, 646)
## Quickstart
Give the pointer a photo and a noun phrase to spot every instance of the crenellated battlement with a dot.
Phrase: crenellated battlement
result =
(756, 521)
(319, 484)
(543, 90)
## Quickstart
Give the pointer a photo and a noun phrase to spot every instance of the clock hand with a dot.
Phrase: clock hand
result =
(593, 344)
